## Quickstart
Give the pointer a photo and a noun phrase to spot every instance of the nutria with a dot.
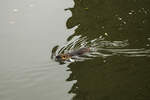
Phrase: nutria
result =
(64, 57)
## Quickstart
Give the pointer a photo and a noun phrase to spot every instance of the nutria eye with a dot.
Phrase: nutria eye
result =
(62, 57)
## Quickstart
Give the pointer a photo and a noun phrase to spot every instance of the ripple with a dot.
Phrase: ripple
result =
(102, 48)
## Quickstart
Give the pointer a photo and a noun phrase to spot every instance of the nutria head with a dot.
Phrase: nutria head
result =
(62, 57)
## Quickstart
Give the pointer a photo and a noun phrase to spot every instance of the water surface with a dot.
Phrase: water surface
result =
(28, 31)
(33, 31)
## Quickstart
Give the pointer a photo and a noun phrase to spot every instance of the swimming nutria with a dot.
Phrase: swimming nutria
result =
(67, 56)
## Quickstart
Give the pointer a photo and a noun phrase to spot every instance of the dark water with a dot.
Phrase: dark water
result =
(118, 34)
(32, 32)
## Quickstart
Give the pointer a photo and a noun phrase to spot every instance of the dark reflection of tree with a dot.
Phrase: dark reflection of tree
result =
(121, 19)
(115, 78)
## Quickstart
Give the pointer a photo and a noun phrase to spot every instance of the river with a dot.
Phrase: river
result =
(34, 31)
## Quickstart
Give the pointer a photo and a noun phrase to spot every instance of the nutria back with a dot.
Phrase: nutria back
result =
(79, 52)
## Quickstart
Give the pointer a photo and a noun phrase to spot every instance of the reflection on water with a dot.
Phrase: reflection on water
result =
(117, 32)
(112, 20)
(111, 78)
(28, 30)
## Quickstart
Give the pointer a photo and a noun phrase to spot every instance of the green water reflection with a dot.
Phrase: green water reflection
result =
(120, 19)
(119, 31)
(113, 78)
